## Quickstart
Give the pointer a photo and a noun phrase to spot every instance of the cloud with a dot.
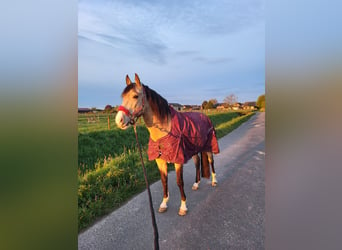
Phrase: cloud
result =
(214, 17)
(172, 43)
(186, 52)
(196, 56)
(217, 60)
(145, 26)
(107, 24)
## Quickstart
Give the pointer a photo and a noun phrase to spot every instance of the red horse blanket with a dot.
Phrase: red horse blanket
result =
(191, 133)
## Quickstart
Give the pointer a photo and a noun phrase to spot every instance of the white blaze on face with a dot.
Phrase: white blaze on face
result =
(121, 120)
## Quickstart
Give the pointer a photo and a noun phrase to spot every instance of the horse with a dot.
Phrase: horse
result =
(175, 137)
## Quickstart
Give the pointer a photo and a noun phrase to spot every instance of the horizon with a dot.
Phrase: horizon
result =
(184, 104)
(170, 103)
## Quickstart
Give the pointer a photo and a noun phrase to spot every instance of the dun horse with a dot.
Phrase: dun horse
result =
(175, 137)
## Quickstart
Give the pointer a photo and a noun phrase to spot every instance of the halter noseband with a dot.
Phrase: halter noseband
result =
(133, 117)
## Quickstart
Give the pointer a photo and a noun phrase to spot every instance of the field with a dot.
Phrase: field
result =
(109, 167)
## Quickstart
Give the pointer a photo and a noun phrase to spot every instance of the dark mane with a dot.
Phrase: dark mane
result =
(158, 104)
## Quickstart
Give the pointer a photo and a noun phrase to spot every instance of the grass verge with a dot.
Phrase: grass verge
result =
(111, 184)
(229, 126)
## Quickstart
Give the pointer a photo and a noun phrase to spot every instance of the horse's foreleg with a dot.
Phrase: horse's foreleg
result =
(196, 159)
(162, 166)
(179, 172)
(213, 174)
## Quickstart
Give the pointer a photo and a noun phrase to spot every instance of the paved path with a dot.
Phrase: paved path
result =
(229, 216)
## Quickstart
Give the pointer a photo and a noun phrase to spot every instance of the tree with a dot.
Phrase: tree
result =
(230, 100)
(204, 104)
(108, 108)
(213, 101)
(210, 105)
(261, 102)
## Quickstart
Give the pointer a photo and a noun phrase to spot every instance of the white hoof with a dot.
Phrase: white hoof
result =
(195, 186)
(213, 180)
(182, 212)
(162, 209)
(183, 209)
(163, 205)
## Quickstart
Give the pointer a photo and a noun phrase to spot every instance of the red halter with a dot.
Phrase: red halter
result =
(123, 109)
(137, 113)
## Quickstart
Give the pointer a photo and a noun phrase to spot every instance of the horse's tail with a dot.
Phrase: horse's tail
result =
(205, 170)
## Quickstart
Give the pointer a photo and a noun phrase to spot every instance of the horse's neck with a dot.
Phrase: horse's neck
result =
(155, 127)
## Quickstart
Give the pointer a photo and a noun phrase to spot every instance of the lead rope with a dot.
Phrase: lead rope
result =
(154, 223)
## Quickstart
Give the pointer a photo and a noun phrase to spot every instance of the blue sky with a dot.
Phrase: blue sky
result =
(188, 51)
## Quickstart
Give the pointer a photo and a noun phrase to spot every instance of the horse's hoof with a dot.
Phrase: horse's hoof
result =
(162, 209)
(182, 212)
(195, 186)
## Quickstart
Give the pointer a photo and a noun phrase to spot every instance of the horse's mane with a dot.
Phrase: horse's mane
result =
(159, 106)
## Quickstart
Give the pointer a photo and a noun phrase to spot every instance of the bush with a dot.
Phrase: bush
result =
(261, 102)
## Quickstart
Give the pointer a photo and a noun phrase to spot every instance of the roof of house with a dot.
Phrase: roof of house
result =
(84, 109)
(175, 104)
(249, 104)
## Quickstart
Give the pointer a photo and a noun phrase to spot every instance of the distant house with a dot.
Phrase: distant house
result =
(176, 106)
(187, 107)
(196, 107)
(237, 106)
(88, 110)
(84, 110)
(249, 106)
(219, 106)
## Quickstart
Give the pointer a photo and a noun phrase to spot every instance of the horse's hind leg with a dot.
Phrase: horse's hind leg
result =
(162, 166)
(196, 159)
(179, 172)
(213, 174)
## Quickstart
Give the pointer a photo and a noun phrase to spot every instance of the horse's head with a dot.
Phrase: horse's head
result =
(133, 103)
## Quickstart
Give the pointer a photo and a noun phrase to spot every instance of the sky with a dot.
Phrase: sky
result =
(187, 51)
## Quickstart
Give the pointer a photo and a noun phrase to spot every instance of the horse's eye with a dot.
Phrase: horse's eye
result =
(135, 97)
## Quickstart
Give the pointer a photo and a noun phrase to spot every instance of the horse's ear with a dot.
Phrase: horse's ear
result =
(128, 81)
(137, 80)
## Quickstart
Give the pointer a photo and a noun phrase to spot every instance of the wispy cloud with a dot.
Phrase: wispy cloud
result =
(219, 17)
(196, 56)
(172, 42)
(120, 26)
(143, 25)
(216, 60)
(186, 52)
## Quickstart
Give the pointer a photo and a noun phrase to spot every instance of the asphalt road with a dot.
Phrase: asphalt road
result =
(228, 216)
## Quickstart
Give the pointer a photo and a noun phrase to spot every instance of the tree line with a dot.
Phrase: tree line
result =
(230, 100)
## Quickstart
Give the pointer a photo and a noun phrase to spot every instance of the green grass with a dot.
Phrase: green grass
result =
(94, 146)
(226, 127)
(111, 184)
(109, 169)
(95, 122)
